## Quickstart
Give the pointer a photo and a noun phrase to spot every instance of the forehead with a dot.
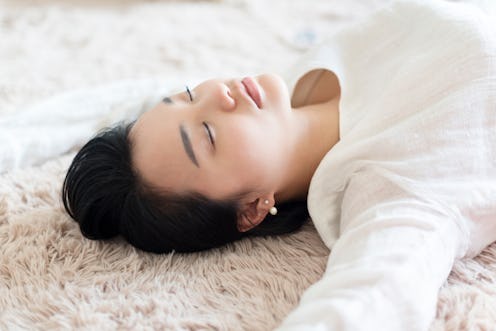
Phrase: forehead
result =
(156, 146)
(148, 125)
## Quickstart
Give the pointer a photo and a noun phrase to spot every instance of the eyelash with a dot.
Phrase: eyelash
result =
(209, 133)
(189, 94)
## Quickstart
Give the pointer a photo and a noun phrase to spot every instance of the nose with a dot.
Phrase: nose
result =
(227, 102)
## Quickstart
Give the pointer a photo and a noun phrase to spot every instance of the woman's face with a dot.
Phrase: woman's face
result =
(223, 142)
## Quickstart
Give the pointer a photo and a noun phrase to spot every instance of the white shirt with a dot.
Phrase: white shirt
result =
(411, 185)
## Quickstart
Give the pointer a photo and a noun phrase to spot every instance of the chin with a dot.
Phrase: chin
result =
(275, 88)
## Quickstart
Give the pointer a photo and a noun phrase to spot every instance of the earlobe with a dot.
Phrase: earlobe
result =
(253, 213)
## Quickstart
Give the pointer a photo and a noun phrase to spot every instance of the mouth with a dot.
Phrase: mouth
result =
(252, 90)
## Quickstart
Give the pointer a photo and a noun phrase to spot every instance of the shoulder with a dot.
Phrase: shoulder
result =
(456, 21)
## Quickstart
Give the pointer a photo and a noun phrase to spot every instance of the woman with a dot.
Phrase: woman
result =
(389, 134)
(202, 168)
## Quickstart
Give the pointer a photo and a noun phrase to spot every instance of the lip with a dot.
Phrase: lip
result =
(252, 90)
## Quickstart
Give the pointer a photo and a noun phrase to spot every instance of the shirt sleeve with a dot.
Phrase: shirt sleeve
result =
(383, 273)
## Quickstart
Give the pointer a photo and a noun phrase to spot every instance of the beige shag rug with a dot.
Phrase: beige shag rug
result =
(53, 278)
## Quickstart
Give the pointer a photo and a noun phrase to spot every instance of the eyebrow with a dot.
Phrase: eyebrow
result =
(187, 145)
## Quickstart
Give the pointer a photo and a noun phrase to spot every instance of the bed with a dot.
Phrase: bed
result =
(68, 68)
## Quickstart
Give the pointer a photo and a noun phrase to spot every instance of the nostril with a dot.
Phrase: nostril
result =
(230, 101)
(229, 92)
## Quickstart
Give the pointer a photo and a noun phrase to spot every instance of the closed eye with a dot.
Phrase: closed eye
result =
(189, 93)
(209, 133)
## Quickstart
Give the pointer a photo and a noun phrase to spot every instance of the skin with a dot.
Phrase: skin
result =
(261, 154)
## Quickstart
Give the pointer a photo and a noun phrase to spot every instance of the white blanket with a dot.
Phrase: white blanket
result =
(411, 185)
(58, 124)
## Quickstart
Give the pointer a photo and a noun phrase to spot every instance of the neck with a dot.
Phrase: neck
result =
(316, 131)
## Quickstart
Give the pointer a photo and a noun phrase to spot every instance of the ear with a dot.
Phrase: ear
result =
(253, 212)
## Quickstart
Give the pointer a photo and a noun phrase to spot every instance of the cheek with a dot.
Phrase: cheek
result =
(250, 153)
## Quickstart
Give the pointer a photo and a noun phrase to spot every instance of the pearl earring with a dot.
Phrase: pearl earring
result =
(273, 211)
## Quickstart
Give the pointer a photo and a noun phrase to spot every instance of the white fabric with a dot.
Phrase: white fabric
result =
(411, 185)
(56, 125)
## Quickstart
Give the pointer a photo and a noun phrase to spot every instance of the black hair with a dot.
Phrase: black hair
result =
(107, 197)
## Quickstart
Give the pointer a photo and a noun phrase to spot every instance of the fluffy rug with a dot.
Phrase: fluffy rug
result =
(53, 278)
